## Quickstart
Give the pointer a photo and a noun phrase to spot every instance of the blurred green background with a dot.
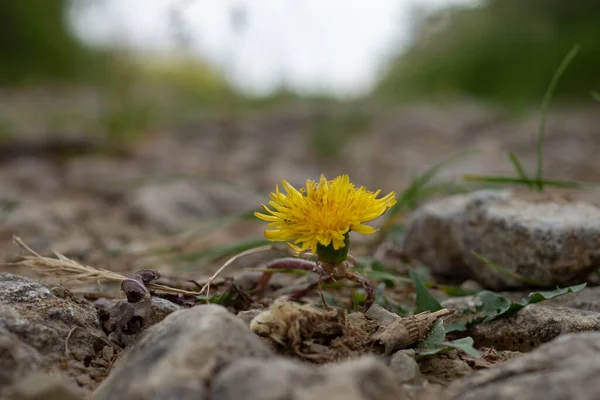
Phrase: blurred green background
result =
(501, 51)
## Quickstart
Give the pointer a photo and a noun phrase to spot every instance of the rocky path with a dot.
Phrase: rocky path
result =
(114, 211)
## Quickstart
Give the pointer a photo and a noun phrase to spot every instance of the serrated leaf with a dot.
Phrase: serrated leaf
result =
(533, 298)
(494, 306)
(425, 300)
(536, 297)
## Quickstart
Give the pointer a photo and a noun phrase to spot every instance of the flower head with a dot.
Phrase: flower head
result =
(322, 214)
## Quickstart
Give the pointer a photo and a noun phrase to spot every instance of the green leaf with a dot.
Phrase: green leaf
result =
(217, 298)
(466, 345)
(536, 297)
(596, 96)
(493, 303)
(494, 306)
(435, 343)
(436, 335)
(358, 298)
(457, 326)
(533, 298)
(425, 300)
(423, 273)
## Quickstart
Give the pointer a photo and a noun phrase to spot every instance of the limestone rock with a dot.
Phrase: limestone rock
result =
(124, 321)
(181, 353)
(359, 379)
(16, 358)
(35, 323)
(39, 386)
(565, 368)
(405, 368)
(532, 326)
(248, 315)
(540, 237)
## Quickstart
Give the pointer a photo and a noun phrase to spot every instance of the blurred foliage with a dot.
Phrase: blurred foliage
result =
(501, 50)
(37, 44)
(131, 94)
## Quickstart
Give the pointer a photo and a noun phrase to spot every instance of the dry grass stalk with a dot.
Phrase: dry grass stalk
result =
(206, 287)
(63, 267)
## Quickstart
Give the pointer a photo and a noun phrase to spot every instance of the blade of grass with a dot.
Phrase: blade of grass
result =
(518, 166)
(407, 199)
(506, 272)
(545, 105)
(210, 227)
(218, 252)
(547, 182)
(425, 300)
(414, 192)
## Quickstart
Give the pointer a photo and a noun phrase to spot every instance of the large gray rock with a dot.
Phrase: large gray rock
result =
(566, 368)
(532, 326)
(284, 379)
(181, 354)
(405, 368)
(16, 358)
(540, 237)
(124, 321)
(39, 386)
(527, 328)
(35, 325)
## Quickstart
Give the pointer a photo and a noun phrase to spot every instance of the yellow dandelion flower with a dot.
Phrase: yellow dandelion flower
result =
(322, 214)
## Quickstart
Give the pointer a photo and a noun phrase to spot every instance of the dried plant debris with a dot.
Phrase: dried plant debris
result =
(71, 271)
(405, 332)
(300, 329)
(323, 335)
(135, 285)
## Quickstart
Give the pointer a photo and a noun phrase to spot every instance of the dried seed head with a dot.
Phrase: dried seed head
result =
(404, 332)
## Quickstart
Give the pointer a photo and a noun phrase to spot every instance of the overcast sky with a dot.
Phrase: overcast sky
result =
(336, 46)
